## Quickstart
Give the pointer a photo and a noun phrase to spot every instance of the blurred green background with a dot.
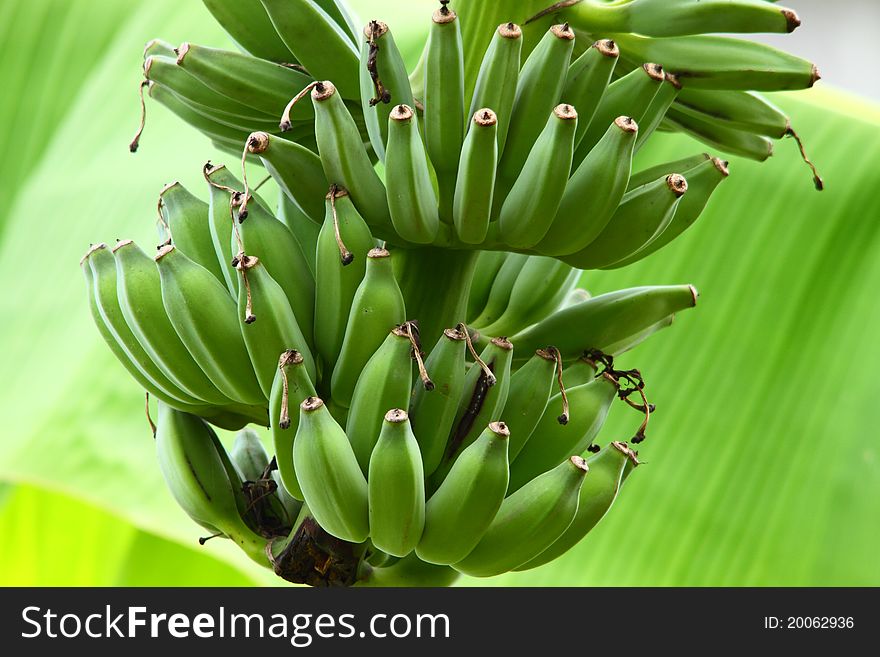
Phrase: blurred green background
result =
(763, 463)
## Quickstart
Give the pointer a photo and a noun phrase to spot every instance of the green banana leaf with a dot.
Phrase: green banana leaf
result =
(762, 465)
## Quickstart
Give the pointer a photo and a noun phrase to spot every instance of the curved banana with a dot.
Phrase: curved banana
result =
(721, 136)
(527, 399)
(497, 80)
(290, 388)
(249, 26)
(189, 222)
(587, 79)
(656, 112)
(472, 201)
(255, 471)
(486, 269)
(502, 286)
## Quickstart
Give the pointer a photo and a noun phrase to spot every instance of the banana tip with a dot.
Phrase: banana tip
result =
(510, 31)
(163, 251)
(694, 293)
(792, 20)
(120, 244)
(396, 416)
(580, 463)
(258, 142)
(499, 429)
(92, 249)
(310, 404)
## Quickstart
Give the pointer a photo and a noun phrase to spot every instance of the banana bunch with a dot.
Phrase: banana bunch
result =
(432, 379)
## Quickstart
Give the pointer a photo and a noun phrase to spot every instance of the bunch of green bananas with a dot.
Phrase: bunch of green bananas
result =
(503, 177)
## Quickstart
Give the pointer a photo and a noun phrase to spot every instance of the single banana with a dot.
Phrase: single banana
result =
(527, 399)
(497, 80)
(660, 105)
(290, 388)
(531, 205)
(222, 186)
(340, 264)
(459, 512)
(249, 26)
(304, 230)
(741, 110)
(589, 405)
(230, 138)
(331, 480)
(583, 214)
(486, 269)
(396, 487)
(188, 220)
(529, 521)
(502, 286)
(582, 371)
(377, 307)
(265, 507)
(650, 174)
(587, 79)
(411, 197)
(721, 136)
(642, 216)
(385, 382)
(472, 201)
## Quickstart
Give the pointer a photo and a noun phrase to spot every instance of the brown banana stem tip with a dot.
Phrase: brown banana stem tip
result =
(149, 419)
(626, 123)
(345, 256)
(510, 31)
(402, 113)
(485, 117)
(817, 179)
(288, 358)
(607, 47)
(579, 463)
(654, 71)
(563, 32)
(499, 429)
(136, 141)
(311, 404)
(490, 376)
(411, 331)
(552, 9)
(396, 416)
(677, 184)
(562, 419)
(243, 263)
(285, 123)
(373, 31)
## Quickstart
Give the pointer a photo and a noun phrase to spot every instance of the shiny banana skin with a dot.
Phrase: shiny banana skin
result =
(250, 27)
(380, 56)
(444, 103)
(650, 174)
(474, 187)
(587, 79)
(209, 327)
(411, 197)
(396, 487)
(597, 495)
(345, 161)
(643, 215)
(606, 319)
(538, 89)
(541, 286)
(334, 487)
(290, 388)
(376, 308)
(528, 522)
(432, 412)
(721, 136)
(221, 133)
(583, 214)
(660, 105)
(531, 205)
(458, 514)
(527, 399)
(497, 80)
(342, 14)
(740, 110)
(582, 371)
(324, 48)
(487, 267)
(268, 323)
(187, 218)
(385, 382)
(221, 220)
(339, 270)
(502, 286)
(295, 168)
(629, 96)
(589, 404)
(702, 182)
(304, 230)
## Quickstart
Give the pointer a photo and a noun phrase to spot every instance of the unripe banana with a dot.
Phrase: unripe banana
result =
(606, 319)
(583, 213)
(411, 197)
(265, 508)
(250, 27)
(385, 382)
(189, 222)
(268, 323)
(384, 82)
(290, 388)
(660, 105)
(587, 79)
(650, 174)
(325, 48)
(742, 110)
(409, 571)
(304, 230)
(597, 495)
(472, 204)
(721, 136)
(221, 187)
(497, 80)
(486, 269)
(342, 15)
(589, 405)
(529, 521)
(642, 216)
(331, 480)
(209, 328)
(527, 399)
(530, 206)
(582, 371)
(459, 512)
(376, 308)
(502, 286)
(396, 487)
(432, 412)
(340, 264)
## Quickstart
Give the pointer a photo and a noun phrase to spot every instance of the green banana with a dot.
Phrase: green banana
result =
(528, 522)
(396, 487)
(582, 371)
(606, 319)
(295, 168)
(527, 399)
(474, 187)
(411, 197)
(377, 307)
(291, 384)
(497, 80)
(587, 79)
(660, 105)
(642, 216)
(432, 412)
(702, 182)
(230, 138)
(268, 323)
(255, 471)
(650, 174)
(304, 230)
(409, 571)
(209, 328)
(342, 14)
(222, 188)
(576, 295)
(461, 510)
(326, 49)
(249, 26)
(606, 167)
(487, 267)
(597, 495)
(551, 441)
(722, 136)
(188, 220)
(385, 382)
(531, 205)
(741, 110)
(328, 473)
(340, 264)
(502, 286)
